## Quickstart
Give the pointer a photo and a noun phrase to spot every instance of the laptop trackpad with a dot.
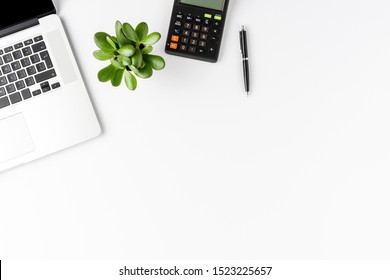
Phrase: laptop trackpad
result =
(15, 138)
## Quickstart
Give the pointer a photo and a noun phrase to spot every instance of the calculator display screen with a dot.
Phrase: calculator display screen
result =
(210, 4)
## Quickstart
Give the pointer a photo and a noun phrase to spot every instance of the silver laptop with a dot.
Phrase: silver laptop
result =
(44, 104)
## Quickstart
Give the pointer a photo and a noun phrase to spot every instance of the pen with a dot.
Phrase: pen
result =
(245, 59)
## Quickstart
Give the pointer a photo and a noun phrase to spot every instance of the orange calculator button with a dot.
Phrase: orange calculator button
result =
(175, 38)
(173, 46)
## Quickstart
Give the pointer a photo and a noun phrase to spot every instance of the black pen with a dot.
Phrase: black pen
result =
(245, 59)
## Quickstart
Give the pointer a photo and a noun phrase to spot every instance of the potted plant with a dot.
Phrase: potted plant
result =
(129, 53)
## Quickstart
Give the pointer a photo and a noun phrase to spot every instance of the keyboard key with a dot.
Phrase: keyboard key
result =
(41, 67)
(27, 51)
(26, 93)
(31, 70)
(1, 52)
(16, 65)
(45, 56)
(35, 58)
(36, 92)
(8, 49)
(3, 81)
(7, 58)
(12, 77)
(38, 47)
(45, 75)
(1, 61)
(4, 102)
(6, 69)
(20, 85)
(15, 98)
(10, 88)
(21, 74)
(2, 91)
(55, 85)
(28, 42)
(25, 62)
(38, 38)
(30, 81)
(45, 87)
(17, 54)
(18, 46)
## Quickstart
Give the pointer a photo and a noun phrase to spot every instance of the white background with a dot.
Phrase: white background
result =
(188, 167)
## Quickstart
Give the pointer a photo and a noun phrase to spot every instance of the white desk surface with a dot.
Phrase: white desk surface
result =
(188, 167)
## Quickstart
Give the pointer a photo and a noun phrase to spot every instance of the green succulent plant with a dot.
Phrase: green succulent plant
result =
(129, 53)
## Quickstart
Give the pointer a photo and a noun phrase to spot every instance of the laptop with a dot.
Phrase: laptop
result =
(44, 104)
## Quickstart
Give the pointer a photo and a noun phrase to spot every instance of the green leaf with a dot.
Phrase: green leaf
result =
(136, 59)
(116, 64)
(129, 32)
(101, 55)
(101, 42)
(130, 80)
(142, 30)
(125, 61)
(143, 73)
(106, 73)
(111, 42)
(151, 39)
(118, 28)
(157, 62)
(122, 40)
(127, 50)
(147, 49)
(117, 77)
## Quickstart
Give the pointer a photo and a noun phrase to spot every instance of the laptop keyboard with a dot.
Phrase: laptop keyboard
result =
(26, 71)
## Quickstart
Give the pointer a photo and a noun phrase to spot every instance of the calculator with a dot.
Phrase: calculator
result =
(196, 29)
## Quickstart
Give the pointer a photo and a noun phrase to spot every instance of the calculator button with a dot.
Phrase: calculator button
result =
(214, 31)
(208, 15)
(179, 16)
(189, 18)
(175, 38)
(176, 31)
(186, 33)
(202, 44)
(217, 24)
(201, 51)
(195, 34)
(213, 39)
(193, 42)
(218, 17)
(196, 27)
(205, 29)
(178, 23)
(185, 40)
(183, 48)
(207, 22)
(173, 46)
(192, 49)
(187, 25)
(203, 36)
(198, 20)
(212, 50)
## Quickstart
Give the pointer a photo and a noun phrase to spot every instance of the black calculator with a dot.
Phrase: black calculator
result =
(196, 29)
